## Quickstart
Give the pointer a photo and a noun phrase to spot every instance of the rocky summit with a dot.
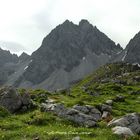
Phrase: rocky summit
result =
(66, 55)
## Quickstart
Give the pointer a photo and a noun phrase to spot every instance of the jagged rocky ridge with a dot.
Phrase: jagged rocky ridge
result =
(131, 53)
(66, 55)
(12, 66)
(7, 61)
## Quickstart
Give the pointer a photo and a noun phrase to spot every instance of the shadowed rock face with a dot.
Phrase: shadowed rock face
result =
(11, 99)
(7, 57)
(7, 60)
(131, 53)
(24, 56)
(67, 54)
(133, 50)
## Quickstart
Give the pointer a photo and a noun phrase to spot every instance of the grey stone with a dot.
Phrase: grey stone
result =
(89, 110)
(83, 109)
(109, 102)
(131, 121)
(122, 131)
(76, 138)
(77, 116)
(106, 115)
(119, 98)
(10, 99)
(105, 107)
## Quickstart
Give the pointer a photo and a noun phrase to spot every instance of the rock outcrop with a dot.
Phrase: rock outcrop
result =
(82, 115)
(131, 53)
(7, 62)
(12, 100)
(122, 131)
(130, 121)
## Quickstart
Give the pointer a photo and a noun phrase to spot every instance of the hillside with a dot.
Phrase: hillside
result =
(113, 88)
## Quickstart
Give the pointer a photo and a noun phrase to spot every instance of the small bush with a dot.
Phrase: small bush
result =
(38, 118)
(4, 112)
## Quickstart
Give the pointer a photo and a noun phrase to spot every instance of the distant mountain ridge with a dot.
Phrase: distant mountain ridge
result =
(6, 59)
(67, 54)
(131, 53)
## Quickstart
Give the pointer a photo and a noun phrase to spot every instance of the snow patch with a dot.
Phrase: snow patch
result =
(119, 52)
(84, 58)
(136, 64)
(124, 56)
(26, 67)
(31, 61)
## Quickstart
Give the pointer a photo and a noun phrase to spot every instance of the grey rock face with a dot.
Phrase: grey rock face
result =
(122, 131)
(7, 61)
(90, 110)
(104, 107)
(7, 57)
(131, 53)
(24, 57)
(133, 49)
(82, 115)
(67, 54)
(10, 99)
(109, 102)
(131, 121)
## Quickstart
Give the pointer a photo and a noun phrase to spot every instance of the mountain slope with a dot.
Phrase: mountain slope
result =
(131, 52)
(113, 89)
(7, 62)
(66, 55)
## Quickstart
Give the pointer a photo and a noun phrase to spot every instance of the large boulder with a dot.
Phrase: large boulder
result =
(131, 121)
(10, 99)
(122, 131)
(26, 100)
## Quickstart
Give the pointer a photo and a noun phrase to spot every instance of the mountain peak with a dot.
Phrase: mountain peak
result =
(67, 22)
(24, 56)
(84, 24)
(83, 21)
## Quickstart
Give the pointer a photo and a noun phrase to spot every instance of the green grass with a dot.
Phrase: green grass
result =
(16, 127)
(47, 126)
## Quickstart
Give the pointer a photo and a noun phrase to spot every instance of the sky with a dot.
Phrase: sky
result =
(24, 23)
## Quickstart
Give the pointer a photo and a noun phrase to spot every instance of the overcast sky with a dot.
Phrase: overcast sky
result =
(24, 23)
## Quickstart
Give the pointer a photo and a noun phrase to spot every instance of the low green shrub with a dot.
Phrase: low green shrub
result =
(4, 112)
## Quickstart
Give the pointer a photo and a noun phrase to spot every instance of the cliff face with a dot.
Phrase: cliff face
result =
(132, 51)
(7, 60)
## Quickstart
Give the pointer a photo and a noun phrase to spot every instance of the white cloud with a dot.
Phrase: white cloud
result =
(27, 22)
